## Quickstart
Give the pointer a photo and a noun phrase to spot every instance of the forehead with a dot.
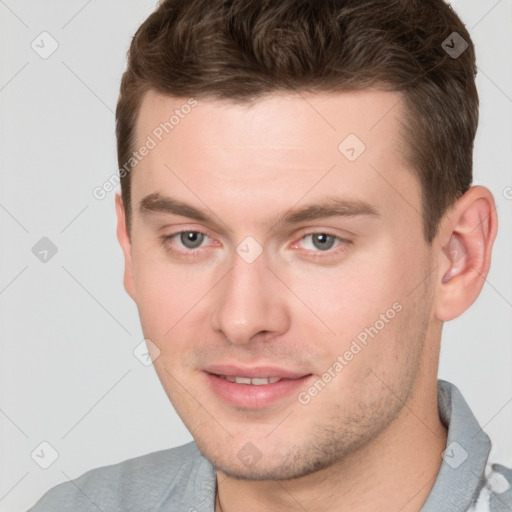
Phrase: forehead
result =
(283, 145)
(293, 122)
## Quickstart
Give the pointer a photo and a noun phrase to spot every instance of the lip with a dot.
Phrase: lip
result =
(248, 396)
(254, 373)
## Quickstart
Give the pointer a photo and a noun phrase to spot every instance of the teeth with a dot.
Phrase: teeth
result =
(259, 381)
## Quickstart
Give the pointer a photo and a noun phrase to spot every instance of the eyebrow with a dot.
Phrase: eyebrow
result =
(331, 206)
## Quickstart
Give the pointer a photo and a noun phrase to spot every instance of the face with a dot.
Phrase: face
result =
(281, 274)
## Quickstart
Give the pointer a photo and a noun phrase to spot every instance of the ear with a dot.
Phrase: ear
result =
(464, 245)
(124, 241)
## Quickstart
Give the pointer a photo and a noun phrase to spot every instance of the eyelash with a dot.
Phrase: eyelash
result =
(165, 239)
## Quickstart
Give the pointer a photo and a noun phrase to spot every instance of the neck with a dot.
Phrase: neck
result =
(395, 471)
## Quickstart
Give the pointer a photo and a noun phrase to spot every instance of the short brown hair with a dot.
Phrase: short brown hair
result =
(239, 50)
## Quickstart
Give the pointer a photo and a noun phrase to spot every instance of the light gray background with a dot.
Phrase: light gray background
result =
(68, 373)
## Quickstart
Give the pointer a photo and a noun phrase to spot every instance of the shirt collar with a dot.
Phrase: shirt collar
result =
(462, 472)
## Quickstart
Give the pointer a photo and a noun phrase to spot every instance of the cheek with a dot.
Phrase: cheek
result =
(364, 300)
(355, 293)
(165, 293)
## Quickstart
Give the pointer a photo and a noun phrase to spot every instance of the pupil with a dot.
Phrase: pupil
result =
(323, 238)
(191, 239)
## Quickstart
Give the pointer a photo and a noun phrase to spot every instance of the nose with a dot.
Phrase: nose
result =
(250, 303)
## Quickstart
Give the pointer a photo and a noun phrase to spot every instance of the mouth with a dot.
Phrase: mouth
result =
(258, 381)
(255, 388)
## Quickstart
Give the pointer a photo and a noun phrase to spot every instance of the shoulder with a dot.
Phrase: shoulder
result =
(141, 483)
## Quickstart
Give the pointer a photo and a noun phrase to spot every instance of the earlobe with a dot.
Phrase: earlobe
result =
(124, 241)
(465, 244)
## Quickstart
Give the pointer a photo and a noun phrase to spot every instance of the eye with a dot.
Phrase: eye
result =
(188, 242)
(322, 242)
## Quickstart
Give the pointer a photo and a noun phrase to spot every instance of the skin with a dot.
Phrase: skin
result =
(298, 306)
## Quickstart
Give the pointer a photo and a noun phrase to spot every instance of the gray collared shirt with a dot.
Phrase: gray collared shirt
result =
(181, 479)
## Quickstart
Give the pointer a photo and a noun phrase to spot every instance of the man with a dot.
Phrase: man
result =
(298, 222)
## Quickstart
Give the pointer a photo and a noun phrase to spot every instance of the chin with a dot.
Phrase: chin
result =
(272, 472)
(287, 465)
